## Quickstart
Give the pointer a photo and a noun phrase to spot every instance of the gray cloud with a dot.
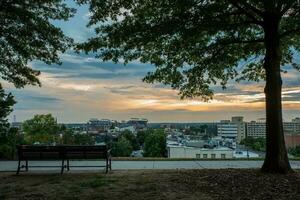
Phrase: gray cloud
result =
(83, 66)
(30, 100)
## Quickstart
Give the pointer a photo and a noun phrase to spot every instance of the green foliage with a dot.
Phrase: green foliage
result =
(27, 34)
(68, 137)
(44, 129)
(141, 136)
(6, 103)
(41, 124)
(41, 128)
(295, 151)
(258, 144)
(5, 151)
(193, 44)
(122, 148)
(8, 137)
(8, 143)
(83, 139)
(155, 144)
(131, 138)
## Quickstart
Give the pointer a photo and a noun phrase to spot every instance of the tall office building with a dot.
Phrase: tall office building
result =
(234, 129)
(256, 129)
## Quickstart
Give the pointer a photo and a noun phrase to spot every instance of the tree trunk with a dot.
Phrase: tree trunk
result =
(276, 160)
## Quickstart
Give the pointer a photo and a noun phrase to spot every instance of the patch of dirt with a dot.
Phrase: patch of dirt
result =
(152, 184)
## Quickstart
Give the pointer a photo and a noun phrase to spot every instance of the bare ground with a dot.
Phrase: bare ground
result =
(152, 184)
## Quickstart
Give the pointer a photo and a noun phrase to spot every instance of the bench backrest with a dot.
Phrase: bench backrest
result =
(27, 152)
(85, 152)
(40, 152)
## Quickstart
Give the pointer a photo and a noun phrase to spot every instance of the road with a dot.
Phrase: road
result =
(127, 165)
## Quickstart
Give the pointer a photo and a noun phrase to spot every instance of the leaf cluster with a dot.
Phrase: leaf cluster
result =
(28, 34)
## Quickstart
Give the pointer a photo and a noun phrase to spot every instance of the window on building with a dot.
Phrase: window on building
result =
(204, 155)
(198, 156)
(213, 156)
(223, 156)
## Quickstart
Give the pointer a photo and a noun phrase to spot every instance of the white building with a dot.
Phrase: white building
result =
(234, 129)
(227, 130)
(199, 153)
(127, 128)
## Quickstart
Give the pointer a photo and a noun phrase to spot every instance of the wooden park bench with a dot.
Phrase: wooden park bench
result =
(62, 153)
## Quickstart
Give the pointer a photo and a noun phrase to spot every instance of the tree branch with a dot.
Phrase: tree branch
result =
(250, 15)
(254, 9)
(236, 41)
(223, 42)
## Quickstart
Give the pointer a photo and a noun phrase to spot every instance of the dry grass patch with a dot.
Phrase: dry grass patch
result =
(152, 184)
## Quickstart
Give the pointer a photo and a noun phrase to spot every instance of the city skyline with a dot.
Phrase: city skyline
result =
(84, 87)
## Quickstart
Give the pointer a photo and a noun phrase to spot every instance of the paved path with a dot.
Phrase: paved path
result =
(125, 165)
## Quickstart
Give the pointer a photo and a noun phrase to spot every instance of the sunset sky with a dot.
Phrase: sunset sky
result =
(84, 87)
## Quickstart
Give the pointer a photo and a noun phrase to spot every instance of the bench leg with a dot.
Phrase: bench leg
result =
(26, 166)
(62, 166)
(106, 168)
(18, 170)
(68, 165)
(110, 164)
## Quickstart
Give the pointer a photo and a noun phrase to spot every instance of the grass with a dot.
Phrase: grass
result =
(152, 184)
(187, 159)
(179, 159)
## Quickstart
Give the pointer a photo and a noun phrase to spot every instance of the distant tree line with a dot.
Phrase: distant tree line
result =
(152, 142)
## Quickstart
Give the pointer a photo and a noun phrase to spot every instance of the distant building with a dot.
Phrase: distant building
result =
(227, 130)
(126, 128)
(138, 123)
(237, 119)
(258, 129)
(199, 153)
(195, 143)
(224, 121)
(292, 140)
(291, 127)
(241, 128)
(234, 129)
(296, 120)
(245, 154)
(98, 126)
(76, 127)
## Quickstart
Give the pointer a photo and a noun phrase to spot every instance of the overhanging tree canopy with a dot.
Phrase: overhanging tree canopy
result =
(27, 34)
(6, 103)
(197, 43)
